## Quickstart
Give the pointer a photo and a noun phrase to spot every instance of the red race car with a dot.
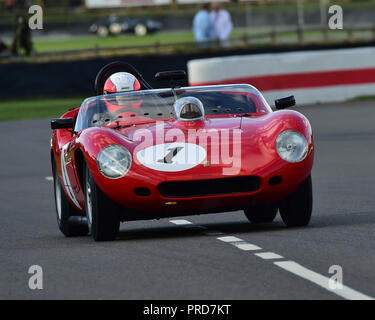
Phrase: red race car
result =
(158, 153)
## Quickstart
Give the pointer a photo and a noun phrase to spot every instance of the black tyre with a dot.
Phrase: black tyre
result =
(68, 219)
(261, 214)
(102, 213)
(296, 209)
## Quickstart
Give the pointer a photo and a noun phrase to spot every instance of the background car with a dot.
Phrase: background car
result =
(116, 25)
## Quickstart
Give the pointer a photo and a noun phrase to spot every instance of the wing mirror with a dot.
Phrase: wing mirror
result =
(171, 75)
(285, 103)
(62, 123)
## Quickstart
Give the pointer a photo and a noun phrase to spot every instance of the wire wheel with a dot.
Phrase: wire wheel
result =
(140, 29)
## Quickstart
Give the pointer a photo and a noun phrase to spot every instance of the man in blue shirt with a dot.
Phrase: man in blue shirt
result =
(202, 25)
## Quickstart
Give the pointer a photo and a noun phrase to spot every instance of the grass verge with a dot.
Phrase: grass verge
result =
(92, 41)
(36, 108)
(363, 98)
(128, 41)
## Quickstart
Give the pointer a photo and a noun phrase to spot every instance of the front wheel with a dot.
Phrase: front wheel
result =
(102, 213)
(296, 209)
(261, 214)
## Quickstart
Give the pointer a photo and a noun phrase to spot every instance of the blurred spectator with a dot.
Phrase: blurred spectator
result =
(9, 4)
(22, 36)
(3, 48)
(202, 26)
(221, 23)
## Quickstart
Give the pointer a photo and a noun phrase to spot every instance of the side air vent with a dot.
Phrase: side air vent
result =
(142, 192)
(274, 181)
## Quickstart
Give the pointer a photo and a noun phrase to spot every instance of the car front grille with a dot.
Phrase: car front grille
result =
(199, 188)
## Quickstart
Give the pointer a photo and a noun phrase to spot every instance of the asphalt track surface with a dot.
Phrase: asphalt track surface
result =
(165, 260)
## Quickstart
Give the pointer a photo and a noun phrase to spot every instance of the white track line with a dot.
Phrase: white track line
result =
(187, 224)
(291, 266)
(247, 246)
(49, 178)
(180, 222)
(230, 239)
(239, 243)
(320, 280)
(269, 255)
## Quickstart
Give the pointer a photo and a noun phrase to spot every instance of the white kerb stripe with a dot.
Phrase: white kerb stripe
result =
(320, 280)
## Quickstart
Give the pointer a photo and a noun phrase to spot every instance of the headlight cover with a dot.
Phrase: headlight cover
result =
(114, 161)
(292, 146)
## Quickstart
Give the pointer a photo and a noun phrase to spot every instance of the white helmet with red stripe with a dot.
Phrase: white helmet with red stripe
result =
(121, 82)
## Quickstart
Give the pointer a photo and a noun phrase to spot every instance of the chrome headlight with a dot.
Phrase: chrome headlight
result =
(114, 161)
(292, 146)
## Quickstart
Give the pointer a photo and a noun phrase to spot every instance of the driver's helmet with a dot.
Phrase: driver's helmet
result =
(120, 82)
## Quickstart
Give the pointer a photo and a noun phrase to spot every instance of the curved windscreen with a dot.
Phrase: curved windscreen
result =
(150, 105)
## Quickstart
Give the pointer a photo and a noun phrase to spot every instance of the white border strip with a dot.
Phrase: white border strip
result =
(244, 66)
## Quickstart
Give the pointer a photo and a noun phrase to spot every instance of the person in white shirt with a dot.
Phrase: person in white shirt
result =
(221, 23)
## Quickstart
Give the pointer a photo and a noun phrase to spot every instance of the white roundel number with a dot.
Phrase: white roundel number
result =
(172, 157)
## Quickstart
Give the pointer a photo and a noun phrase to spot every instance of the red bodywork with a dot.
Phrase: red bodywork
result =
(258, 158)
